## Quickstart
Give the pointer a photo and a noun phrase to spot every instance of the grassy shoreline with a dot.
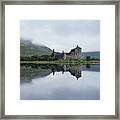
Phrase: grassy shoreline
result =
(60, 62)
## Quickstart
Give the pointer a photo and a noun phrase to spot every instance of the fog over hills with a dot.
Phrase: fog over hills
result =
(28, 48)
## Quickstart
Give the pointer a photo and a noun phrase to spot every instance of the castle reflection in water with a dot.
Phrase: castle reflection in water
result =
(74, 70)
(30, 71)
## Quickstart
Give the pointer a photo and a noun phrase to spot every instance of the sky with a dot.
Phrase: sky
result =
(62, 35)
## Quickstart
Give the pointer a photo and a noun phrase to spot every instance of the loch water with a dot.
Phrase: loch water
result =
(59, 82)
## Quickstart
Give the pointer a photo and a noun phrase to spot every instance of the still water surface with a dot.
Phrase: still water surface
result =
(60, 82)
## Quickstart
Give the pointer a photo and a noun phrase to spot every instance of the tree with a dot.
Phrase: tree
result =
(88, 58)
(53, 53)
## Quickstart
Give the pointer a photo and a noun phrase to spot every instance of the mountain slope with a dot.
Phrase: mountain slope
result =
(28, 49)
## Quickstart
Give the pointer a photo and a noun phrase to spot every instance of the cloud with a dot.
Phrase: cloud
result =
(64, 34)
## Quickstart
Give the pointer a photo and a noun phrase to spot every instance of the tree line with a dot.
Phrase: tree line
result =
(38, 58)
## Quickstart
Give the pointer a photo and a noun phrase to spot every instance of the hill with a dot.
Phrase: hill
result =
(28, 49)
(94, 54)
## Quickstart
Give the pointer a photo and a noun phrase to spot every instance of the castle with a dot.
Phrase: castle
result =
(73, 54)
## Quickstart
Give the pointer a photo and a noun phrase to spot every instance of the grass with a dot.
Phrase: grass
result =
(62, 62)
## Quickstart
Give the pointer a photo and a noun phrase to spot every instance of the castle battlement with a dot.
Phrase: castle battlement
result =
(73, 54)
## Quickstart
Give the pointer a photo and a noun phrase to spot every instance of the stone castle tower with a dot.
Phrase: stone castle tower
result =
(73, 54)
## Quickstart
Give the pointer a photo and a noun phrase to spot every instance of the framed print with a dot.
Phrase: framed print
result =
(60, 59)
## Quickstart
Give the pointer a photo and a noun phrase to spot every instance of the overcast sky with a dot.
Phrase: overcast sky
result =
(62, 35)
